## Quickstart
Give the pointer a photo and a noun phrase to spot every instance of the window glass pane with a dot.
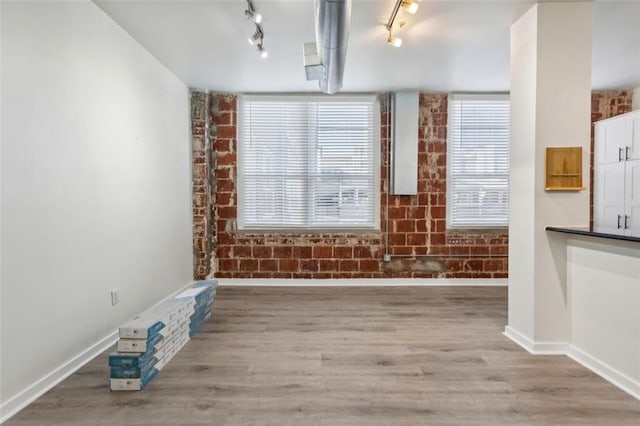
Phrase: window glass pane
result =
(308, 162)
(478, 161)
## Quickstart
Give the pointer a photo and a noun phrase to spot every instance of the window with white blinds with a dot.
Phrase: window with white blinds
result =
(308, 162)
(478, 161)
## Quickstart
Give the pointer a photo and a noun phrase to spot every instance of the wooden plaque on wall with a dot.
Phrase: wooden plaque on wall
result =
(564, 169)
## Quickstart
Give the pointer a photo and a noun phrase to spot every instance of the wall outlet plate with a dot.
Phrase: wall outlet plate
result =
(115, 296)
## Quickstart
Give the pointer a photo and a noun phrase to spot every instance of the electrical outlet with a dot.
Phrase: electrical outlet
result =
(386, 258)
(115, 296)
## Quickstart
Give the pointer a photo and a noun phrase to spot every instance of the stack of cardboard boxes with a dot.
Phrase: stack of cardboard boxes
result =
(148, 341)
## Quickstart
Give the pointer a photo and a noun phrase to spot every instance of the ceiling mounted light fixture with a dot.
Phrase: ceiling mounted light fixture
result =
(410, 6)
(251, 13)
(257, 38)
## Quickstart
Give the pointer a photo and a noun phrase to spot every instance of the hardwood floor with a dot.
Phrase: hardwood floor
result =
(347, 356)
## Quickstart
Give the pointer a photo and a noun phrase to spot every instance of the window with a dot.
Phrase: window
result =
(308, 162)
(478, 161)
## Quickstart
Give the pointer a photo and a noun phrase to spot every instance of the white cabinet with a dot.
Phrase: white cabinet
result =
(617, 175)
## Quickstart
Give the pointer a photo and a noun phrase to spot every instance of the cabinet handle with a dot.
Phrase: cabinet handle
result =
(620, 154)
(626, 224)
(619, 226)
(626, 153)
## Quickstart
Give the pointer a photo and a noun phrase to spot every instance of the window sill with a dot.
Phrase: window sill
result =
(307, 231)
(489, 230)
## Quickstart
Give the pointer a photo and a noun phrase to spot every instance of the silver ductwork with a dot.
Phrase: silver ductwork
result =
(326, 63)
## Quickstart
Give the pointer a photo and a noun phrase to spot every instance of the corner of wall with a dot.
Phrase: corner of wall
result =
(202, 184)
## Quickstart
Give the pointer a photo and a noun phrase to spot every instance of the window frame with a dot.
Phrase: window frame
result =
(334, 227)
(470, 96)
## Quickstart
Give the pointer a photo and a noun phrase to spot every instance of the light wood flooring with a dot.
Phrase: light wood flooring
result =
(347, 356)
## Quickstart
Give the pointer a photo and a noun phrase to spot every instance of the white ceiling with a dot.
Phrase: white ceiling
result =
(448, 45)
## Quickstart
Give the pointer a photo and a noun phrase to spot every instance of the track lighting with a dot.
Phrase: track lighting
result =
(410, 6)
(257, 38)
(251, 13)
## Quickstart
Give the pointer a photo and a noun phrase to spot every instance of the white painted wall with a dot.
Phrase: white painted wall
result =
(550, 106)
(522, 171)
(95, 184)
(604, 281)
(563, 84)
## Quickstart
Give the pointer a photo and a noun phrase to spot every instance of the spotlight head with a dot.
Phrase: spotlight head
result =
(410, 6)
(251, 13)
(256, 37)
(394, 41)
(262, 50)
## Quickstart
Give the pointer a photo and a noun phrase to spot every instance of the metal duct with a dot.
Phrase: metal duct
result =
(332, 34)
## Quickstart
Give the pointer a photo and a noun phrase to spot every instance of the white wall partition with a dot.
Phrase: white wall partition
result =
(95, 187)
(604, 281)
(566, 296)
(550, 68)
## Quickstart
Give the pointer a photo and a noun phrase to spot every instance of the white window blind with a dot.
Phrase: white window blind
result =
(308, 162)
(478, 161)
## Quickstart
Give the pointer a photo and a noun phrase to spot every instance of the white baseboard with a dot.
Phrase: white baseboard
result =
(520, 339)
(362, 282)
(536, 348)
(624, 382)
(10, 407)
(32, 392)
(618, 379)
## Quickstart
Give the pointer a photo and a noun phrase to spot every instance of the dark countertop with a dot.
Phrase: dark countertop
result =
(581, 231)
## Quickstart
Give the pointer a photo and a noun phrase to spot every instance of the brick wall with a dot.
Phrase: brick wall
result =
(202, 185)
(605, 104)
(416, 223)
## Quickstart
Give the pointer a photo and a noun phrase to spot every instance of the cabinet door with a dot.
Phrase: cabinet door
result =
(634, 148)
(632, 198)
(611, 136)
(609, 198)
